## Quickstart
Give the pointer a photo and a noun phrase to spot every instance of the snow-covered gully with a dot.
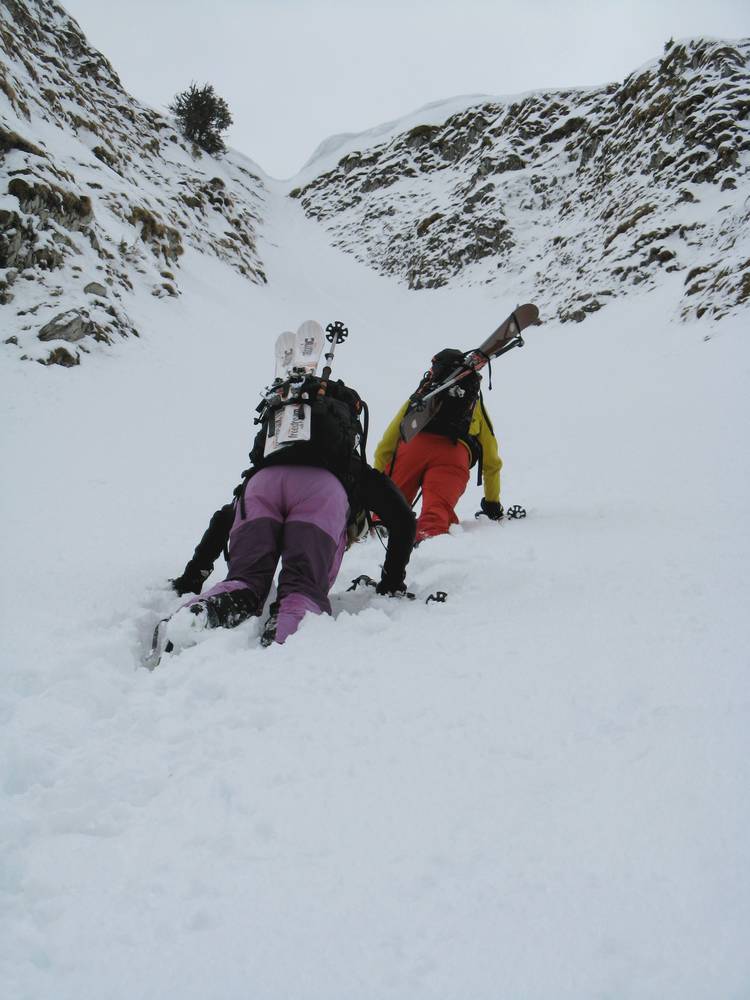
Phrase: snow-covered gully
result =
(535, 789)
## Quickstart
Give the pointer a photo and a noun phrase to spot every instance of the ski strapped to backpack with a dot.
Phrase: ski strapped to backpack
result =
(428, 399)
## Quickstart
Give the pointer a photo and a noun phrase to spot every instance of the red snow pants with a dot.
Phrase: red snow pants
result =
(441, 468)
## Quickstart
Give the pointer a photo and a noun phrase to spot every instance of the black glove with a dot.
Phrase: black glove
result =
(493, 509)
(389, 588)
(191, 581)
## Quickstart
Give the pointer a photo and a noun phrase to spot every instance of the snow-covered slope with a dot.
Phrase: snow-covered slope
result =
(575, 196)
(535, 790)
(100, 195)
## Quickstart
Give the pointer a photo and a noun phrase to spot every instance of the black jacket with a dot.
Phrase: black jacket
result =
(369, 490)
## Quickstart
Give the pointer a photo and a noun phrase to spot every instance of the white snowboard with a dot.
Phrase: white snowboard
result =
(293, 423)
(310, 341)
(285, 346)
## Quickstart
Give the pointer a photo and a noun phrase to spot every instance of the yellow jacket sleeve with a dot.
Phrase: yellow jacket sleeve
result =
(386, 449)
(491, 462)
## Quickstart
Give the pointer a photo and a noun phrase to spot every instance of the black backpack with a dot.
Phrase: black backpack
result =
(454, 416)
(336, 428)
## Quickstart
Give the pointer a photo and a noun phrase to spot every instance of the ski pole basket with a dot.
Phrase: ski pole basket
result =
(337, 330)
(439, 597)
(336, 333)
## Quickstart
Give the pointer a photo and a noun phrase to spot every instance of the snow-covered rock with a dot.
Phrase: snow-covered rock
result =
(96, 188)
(572, 196)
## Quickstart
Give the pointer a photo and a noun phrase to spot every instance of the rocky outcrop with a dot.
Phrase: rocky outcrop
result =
(98, 190)
(568, 197)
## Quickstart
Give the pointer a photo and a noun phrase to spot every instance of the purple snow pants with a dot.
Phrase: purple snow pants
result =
(296, 513)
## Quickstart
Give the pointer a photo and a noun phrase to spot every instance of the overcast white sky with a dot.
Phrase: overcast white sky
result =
(296, 71)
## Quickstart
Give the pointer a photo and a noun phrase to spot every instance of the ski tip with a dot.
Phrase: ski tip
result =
(309, 327)
(529, 314)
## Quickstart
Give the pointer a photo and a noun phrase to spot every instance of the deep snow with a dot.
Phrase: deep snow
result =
(536, 790)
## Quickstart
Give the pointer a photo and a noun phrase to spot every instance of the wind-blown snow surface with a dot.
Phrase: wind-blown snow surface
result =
(536, 790)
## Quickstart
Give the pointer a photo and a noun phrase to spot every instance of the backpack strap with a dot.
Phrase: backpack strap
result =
(239, 491)
(488, 359)
(365, 422)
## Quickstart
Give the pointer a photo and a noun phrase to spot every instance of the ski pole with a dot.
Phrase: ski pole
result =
(336, 333)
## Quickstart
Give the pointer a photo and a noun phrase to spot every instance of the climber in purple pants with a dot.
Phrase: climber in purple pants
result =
(301, 503)
(296, 513)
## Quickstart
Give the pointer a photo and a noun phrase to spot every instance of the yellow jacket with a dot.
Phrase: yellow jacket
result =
(480, 428)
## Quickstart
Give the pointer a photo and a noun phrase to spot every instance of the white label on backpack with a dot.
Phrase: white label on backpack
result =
(294, 425)
(272, 435)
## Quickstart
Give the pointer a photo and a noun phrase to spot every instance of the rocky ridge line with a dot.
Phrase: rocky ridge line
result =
(572, 196)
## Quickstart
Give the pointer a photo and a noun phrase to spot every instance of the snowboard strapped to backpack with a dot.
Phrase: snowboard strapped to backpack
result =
(306, 419)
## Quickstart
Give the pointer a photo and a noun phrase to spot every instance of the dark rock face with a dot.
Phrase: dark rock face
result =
(121, 195)
(563, 195)
(70, 326)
